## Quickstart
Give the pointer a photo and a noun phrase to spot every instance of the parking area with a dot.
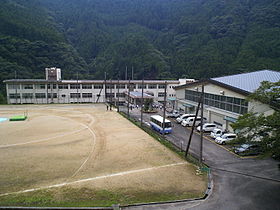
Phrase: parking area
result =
(239, 183)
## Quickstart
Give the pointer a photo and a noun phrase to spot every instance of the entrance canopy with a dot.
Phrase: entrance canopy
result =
(171, 99)
(188, 105)
(230, 119)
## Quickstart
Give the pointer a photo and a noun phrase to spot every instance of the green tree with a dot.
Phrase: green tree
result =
(261, 129)
(2, 99)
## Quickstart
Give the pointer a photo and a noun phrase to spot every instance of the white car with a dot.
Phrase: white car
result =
(217, 132)
(189, 121)
(225, 138)
(207, 127)
(173, 114)
(183, 117)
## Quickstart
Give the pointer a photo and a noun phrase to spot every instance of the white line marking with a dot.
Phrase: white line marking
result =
(95, 178)
(46, 139)
(92, 149)
(87, 127)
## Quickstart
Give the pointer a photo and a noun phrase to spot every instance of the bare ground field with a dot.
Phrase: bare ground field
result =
(83, 155)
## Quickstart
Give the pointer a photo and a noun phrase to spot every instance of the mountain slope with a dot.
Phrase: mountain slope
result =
(194, 38)
(30, 41)
(159, 39)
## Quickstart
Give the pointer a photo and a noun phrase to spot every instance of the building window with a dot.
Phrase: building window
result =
(140, 86)
(40, 95)
(109, 86)
(231, 104)
(131, 86)
(121, 95)
(161, 86)
(161, 94)
(27, 86)
(75, 95)
(63, 86)
(86, 86)
(152, 86)
(13, 86)
(40, 86)
(27, 95)
(120, 86)
(52, 95)
(51, 86)
(74, 86)
(14, 95)
(87, 95)
(110, 95)
(99, 86)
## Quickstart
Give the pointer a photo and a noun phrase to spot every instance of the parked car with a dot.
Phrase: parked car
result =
(173, 114)
(225, 138)
(248, 149)
(189, 121)
(207, 127)
(217, 132)
(184, 116)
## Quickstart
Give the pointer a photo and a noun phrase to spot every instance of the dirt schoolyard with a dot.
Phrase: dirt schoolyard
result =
(84, 155)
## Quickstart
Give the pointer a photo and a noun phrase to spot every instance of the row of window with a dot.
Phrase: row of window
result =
(72, 95)
(85, 86)
(89, 95)
(54, 95)
(227, 103)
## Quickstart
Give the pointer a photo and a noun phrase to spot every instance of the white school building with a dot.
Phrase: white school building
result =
(55, 90)
(225, 97)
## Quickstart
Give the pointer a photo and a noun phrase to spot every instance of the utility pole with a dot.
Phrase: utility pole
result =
(142, 101)
(201, 124)
(111, 93)
(16, 86)
(132, 73)
(125, 72)
(164, 106)
(190, 138)
(47, 93)
(51, 92)
(105, 87)
(77, 87)
(118, 94)
(128, 96)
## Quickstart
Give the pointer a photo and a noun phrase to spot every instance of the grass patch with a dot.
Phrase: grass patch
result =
(85, 197)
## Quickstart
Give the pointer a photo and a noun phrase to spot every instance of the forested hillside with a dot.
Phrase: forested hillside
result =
(30, 41)
(158, 39)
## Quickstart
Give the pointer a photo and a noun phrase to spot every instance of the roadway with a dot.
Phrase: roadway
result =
(239, 183)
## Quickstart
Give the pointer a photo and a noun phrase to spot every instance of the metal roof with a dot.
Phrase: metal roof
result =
(249, 81)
